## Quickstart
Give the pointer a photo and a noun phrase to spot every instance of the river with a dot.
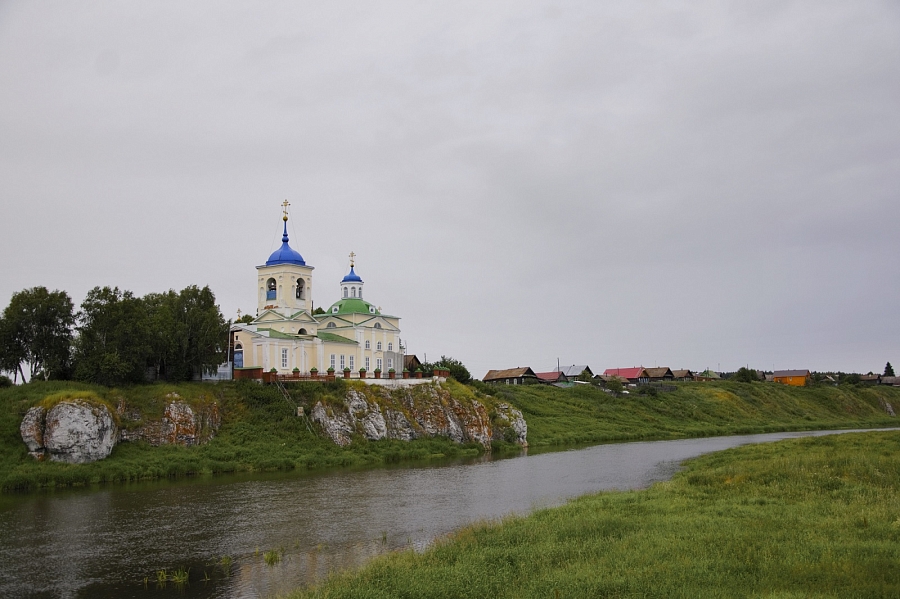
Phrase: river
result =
(104, 543)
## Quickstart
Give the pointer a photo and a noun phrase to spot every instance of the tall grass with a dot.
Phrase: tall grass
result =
(814, 517)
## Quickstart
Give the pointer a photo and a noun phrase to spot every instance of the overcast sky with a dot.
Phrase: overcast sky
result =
(693, 185)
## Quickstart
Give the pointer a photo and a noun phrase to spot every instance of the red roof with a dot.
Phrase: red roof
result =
(625, 373)
(549, 376)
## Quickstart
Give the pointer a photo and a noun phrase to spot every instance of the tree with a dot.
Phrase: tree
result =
(615, 385)
(113, 343)
(36, 329)
(745, 375)
(888, 370)
(248, 318)
(457, 370)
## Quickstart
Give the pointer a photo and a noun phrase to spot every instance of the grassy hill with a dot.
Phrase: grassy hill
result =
(260, 431)
(586, 414)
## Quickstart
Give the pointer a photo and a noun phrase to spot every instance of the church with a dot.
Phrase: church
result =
(289, 337)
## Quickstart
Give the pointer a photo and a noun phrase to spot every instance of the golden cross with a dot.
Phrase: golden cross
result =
(352, 256)
(285, 204)
(239, 313)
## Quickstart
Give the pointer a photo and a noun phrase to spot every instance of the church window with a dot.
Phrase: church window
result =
(390, 363)
(371, 308)
(367, 362)
(353, 292)
(284, 357)
(271, 289)
(368, 344)
(378, 363)
(378, 347)
(299, 288)
(360, 293)
(390, 346)
(377, 325)
(334, 310)
(342, 362)
(332, 360)
(345, 292)
(331, 325)
(351, 362)
(302, 331)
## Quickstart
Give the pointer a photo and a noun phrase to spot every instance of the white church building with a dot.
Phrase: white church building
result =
(286, 336)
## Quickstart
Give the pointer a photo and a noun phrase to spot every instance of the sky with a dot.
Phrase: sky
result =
(684, 184)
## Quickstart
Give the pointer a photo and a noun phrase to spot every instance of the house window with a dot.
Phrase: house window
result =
(390, 363)
(351, 362)
(342, 362)
(367, 362)
(368, 344)
(284, 357)
(390, 346)
(378, 363)
(332, 360)
(378, 347)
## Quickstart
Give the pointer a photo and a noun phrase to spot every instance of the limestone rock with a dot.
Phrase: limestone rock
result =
(78, 432)
(406, 415)
(32, 431)
(180, 425)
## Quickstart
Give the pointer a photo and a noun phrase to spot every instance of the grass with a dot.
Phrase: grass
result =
(813, 517)
(261, 432)
(584, 414)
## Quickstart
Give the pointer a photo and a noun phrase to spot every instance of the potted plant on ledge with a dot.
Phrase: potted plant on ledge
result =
(346, 372)
(377, 373)
(419, 373)
(314, 372)
(392, 373)
(362, 373)
(406, 373)
(296, 372)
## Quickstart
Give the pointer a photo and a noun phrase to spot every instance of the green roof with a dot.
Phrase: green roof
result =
(352, 305)
(273, 334)
(331, 337)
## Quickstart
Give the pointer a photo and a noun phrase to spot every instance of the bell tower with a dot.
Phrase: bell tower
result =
(284, 282)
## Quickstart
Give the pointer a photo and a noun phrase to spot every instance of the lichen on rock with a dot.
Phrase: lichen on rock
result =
(76, 431)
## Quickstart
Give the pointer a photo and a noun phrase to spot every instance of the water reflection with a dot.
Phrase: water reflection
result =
(105, 543)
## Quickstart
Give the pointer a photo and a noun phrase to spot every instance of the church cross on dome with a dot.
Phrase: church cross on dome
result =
(352, 259)
(285, 205)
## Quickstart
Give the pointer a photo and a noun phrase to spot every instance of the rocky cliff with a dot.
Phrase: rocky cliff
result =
(423, 411)
(82, 430)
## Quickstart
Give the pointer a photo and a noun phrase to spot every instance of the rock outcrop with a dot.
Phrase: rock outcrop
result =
(180, 424)
(411, 413)
(73, 431)
(80, 431)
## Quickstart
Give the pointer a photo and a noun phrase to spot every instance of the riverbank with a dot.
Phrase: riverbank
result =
(584, 414)
(806, 517)
(260, 430)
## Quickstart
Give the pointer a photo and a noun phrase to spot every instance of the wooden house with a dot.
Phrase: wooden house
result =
(636, 374)
(510, 376)
(795, 378)
(556, 376)
(682, 375)
(660, 374)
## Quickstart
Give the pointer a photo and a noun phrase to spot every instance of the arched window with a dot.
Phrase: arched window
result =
(238, 356)
(360, 293)
(299, 288)
(331, 325)
(345, 292)
(353, 292)
(302, 332)
(390, 347)
(377, 325)
(378, 347)
(271, 289)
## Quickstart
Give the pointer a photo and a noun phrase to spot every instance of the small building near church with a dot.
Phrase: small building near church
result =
(287, 338)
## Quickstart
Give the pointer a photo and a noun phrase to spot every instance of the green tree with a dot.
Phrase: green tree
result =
(888, 370)
(113, 343)
(36, 329)
(248, 318)
(615, 385)
(187, 332)
(745, 375)
(457, 370)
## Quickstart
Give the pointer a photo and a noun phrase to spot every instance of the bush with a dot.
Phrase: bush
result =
(5, 381)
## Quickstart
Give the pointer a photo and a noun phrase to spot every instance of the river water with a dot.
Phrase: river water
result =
(105, 543)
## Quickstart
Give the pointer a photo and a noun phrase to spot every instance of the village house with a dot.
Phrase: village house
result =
(634, 375)
(660, 374)
(555, 376)
(510, 376)
(795, 378)
(575, 371)
(682, 375)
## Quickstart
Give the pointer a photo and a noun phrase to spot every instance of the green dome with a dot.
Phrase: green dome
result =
(352, 306)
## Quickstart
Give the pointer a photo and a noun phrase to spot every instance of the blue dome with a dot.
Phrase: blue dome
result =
(285, 254)
(351, 277)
